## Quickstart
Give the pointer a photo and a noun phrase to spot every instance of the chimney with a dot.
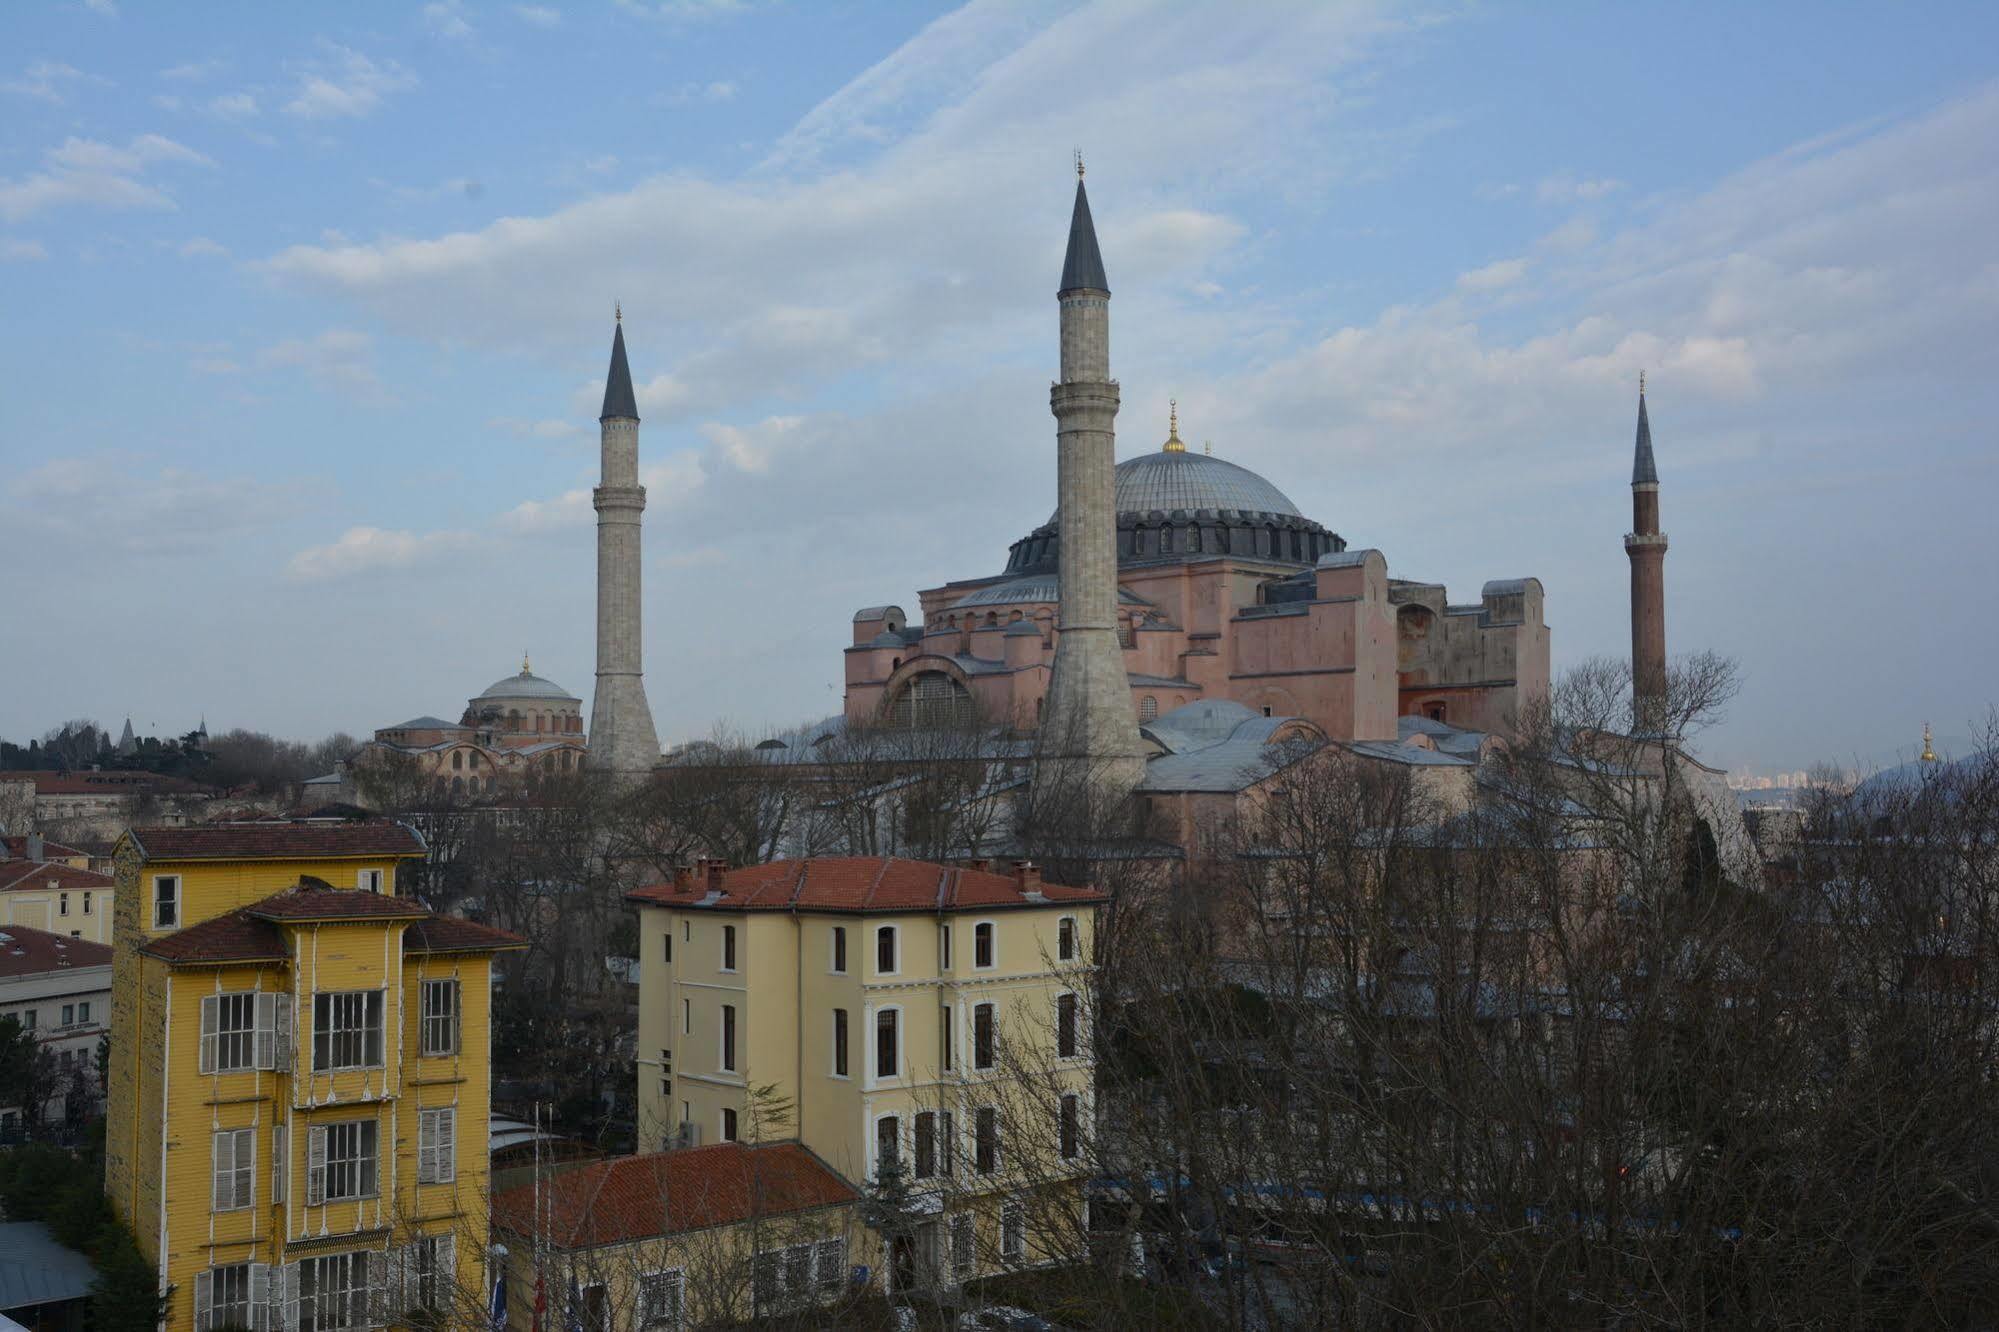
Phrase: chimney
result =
(716, 868)
(1027, 876)
(983, 864)
(34, 849)
(683, 879)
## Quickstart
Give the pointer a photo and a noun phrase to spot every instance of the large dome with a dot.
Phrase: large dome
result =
(1166, 481)
(526, 685)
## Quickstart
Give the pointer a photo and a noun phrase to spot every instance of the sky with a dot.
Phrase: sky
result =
(305, 310)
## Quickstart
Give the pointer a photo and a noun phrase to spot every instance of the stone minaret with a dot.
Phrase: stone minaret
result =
(1645, 544)
(622, 740)
(1089, 727)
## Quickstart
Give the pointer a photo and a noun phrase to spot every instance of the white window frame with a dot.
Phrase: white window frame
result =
(62, 904)
(999, 1155)
(944, 945)
(437, 1145)
(916, 1170)
(875, 1076)
(255, 1306)
(947, 1038)
(727, 1056)
(654, 1284)
(331, 1030)
(1060, 995)
(368, 880)
(729, 1125)
(86, 901)
(962, 1239)
(170, 919)
(439, 1268)
(729, 948)
(360, 1300)
(320, 1164)
(1067, 932)
(232, 1170)
(842, 1046)
(836, 941)
(1013, 1233)
(429, 1022)
(875, 1142)
(973, 1021)
(894, 934)
(992, 929)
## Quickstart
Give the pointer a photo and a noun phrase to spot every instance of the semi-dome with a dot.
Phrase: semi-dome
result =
(526, 685)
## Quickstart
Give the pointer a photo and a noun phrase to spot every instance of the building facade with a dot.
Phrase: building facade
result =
(300, 1077)
(51, 891)
(899, 1019)
(519, 728)
(59, 990)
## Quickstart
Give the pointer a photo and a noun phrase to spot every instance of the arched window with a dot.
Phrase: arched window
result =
(457, 760)
(1124, 638)
(932, 698)
(458, 786)
(514, 720)
(1434, 711)
(1148, 708)
(992, 617)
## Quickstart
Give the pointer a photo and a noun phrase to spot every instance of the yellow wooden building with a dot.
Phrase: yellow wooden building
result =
(300, 1078)
(882, 1011)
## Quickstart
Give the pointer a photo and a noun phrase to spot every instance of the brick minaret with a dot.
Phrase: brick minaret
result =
(622, 739)
(1089, 727)
(1645, 544)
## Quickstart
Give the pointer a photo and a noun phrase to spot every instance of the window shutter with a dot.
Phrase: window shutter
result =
(378, 1286)
(281, 1163)
(222, 1172)
(315, 1166)
(447, 1271)
(426, 1147)
(204, 1287)
(267, 1030)
(260, 1297)
(209, 1006)
(282, 1025)
(402, 1277)
(447, 1146)
(284, 1299)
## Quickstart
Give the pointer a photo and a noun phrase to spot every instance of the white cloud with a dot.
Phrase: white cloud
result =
(18, 251)
(750, 447)
(1568, 188)
(550, 428)
(129, 504)
(1494, 276)
(346, 83)
(597, 166)
(45, 80)
(540, 16)
(719, 90)
(341, 359)
(103, 8)
(361, 550)
(215, 365)
(234, 106)
(89, 172)
(193, 71)
(200, 247)
(446, 18)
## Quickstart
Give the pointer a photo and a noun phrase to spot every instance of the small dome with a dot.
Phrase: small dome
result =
(526, 685)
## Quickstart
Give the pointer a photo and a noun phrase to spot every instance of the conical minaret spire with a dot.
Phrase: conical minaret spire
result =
(1089, 726)
(622, 739)
(1645, 546)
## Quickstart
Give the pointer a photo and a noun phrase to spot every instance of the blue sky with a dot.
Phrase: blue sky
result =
(307, 312)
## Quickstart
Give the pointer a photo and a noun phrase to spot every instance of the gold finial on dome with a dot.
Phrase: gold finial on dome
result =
(525, 668)
(1929, 755)
(1173, 444)
(1079, 164)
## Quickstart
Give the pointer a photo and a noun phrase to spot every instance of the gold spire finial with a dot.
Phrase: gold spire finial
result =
(1079, 164)
(525, 668)
(1173, 444)
(618, 311)
(1641, 383)
(1208, 447)
(1929, 755)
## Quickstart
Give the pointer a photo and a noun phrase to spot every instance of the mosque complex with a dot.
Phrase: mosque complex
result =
(1175, 617)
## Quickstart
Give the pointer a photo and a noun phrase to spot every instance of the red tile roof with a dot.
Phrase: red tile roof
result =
(29, 952)
(315, 903)
(14, 848)
(252, 933)
(863, 883)
(235, 936)
(636, 1197)
(38, 874)
(451, 934)
(116, 781)
(270, 839)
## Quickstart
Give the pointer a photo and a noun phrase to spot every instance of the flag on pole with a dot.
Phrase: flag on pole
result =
(497, 1307)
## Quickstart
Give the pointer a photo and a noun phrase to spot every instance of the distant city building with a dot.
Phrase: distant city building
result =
(59, 989)
(300, 1078)
(46, 886)
(517, 728)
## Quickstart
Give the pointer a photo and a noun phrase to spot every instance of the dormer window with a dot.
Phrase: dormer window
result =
(166, 901)
(369, 881)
